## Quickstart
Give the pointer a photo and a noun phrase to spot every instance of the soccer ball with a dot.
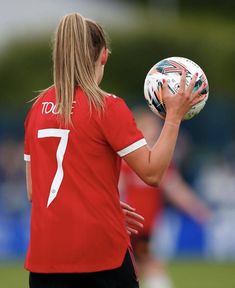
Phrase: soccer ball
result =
(171, 69)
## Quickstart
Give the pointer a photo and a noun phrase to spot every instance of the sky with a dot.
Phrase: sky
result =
(22, 17)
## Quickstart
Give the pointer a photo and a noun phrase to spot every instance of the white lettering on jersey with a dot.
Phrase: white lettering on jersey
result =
(50, 107)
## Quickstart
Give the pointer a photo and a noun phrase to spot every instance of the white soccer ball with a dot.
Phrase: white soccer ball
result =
(171, 69)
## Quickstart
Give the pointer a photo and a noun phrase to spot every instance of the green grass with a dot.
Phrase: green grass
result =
(183, 274)
(202, 275)
(13, 275)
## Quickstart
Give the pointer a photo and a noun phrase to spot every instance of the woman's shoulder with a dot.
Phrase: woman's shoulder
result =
(112, 100)
(116, 107)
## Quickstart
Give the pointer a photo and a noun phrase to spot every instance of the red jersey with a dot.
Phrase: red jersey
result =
(147, 200)
(77, 224)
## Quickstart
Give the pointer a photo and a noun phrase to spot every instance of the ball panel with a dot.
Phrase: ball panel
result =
(171, 69)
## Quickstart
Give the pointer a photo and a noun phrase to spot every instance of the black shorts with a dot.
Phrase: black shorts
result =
(122, 277)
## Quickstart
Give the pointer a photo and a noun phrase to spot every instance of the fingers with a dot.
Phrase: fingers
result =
(131, 230)
(197, 96)
(192, 84)
(126, 206)
(182, 82)
(133, 220)
(134, 223)
(197, 99)
(165, 88)
(199, 91)
(133, 215)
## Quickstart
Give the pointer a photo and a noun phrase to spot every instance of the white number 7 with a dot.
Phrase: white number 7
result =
(63, 134)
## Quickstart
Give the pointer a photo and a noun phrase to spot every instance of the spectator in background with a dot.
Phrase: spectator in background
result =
(149, 202)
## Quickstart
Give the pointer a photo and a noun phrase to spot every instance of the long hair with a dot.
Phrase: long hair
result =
(78, 43)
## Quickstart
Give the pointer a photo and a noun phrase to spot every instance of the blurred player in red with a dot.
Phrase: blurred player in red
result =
(149, 202)
(75, 137)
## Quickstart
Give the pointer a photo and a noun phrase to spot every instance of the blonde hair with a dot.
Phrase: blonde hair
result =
(78, 43)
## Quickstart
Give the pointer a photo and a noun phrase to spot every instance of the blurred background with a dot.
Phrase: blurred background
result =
(141, 33)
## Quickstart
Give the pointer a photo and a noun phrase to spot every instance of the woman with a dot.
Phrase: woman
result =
(75, 137)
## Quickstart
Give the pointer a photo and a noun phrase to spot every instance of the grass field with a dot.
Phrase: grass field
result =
(183, 274)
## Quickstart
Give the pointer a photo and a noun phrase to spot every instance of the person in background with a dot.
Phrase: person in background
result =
(149, 202)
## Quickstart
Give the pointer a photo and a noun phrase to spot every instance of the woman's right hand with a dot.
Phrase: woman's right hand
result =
(177, 105)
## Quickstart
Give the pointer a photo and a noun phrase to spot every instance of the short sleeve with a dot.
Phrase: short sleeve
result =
(119, 127)
(26, 140)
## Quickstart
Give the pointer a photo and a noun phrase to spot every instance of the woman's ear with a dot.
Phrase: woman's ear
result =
(104, 56)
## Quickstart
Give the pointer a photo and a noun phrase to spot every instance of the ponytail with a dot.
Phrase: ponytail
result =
(78, 43)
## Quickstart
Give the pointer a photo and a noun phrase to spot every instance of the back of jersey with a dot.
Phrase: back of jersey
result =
(77, 224)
